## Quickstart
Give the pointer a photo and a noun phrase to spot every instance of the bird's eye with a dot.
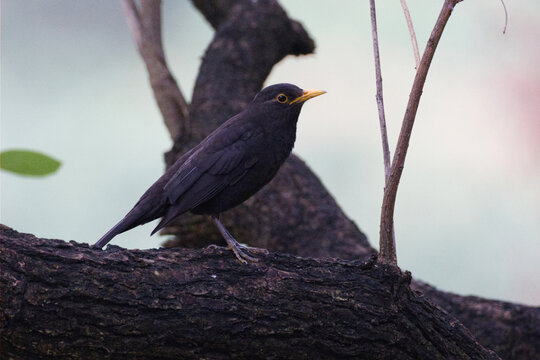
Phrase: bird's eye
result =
(282, 98)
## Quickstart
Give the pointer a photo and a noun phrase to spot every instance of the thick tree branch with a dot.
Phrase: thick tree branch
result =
(68, 300)
(511, 330)
(387, 245)
(216, 12)
(145, 26)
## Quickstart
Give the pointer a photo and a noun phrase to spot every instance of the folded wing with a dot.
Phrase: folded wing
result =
(218, 163)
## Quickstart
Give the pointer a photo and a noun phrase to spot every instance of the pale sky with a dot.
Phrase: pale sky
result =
(468, 207)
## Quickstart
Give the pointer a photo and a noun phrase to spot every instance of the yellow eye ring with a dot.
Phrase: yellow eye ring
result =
(282, 98)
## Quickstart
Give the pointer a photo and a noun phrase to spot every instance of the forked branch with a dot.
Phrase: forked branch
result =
(387, 247)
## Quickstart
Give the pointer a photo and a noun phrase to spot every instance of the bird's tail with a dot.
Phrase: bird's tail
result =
(124, 225)
(145, 210)
(117, 229)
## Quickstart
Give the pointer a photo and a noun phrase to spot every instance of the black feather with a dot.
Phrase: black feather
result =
(227, 167)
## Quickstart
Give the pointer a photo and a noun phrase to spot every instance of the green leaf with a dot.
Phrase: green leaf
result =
(26, 162)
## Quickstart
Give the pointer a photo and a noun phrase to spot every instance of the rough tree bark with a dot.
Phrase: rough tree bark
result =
(69, 301)
(511, 330)
(53, 291)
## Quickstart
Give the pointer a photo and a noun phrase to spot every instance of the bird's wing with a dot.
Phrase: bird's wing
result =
(218, 162)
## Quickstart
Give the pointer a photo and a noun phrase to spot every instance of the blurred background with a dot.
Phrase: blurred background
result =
(468, 207)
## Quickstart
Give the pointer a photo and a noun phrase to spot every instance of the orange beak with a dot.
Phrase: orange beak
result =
(308, 94)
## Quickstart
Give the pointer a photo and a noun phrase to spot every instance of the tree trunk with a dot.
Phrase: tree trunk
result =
(69, 301)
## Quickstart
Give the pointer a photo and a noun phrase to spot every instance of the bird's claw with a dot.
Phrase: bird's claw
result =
(239, 251)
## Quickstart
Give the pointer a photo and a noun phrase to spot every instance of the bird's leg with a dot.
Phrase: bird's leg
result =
(233, 244)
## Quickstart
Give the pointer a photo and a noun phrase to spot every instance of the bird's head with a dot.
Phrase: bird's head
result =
(284, 96)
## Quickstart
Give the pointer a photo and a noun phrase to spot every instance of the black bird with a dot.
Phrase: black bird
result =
(231, 164)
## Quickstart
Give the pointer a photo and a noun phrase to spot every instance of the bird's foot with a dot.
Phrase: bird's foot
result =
(239, 251)
(242, 249)
(233, 244)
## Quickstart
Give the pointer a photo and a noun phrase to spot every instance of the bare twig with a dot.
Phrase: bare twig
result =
(380, 102)
(380, 98)
(145, 25)
(134, 21)
(505, 16)
(386, 245)
(411, 32)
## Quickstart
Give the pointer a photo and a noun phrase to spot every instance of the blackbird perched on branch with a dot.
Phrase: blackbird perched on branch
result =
(231, 164)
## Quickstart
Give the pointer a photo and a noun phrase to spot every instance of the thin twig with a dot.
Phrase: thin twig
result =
(379, 96)
(387, 251)
(411, 33)
(145, 25)
(134, 21)
(505, 16)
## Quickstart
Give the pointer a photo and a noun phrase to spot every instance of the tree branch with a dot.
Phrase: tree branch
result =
(505, 16)
(185, 304)
(379, 96)
(511, 330)
(411, 33)
(387, 246)
(133, 20)
(217, 11)
(145, 26)
(380, 103)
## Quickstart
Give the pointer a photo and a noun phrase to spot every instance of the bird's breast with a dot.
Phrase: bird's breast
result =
(280, 144)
